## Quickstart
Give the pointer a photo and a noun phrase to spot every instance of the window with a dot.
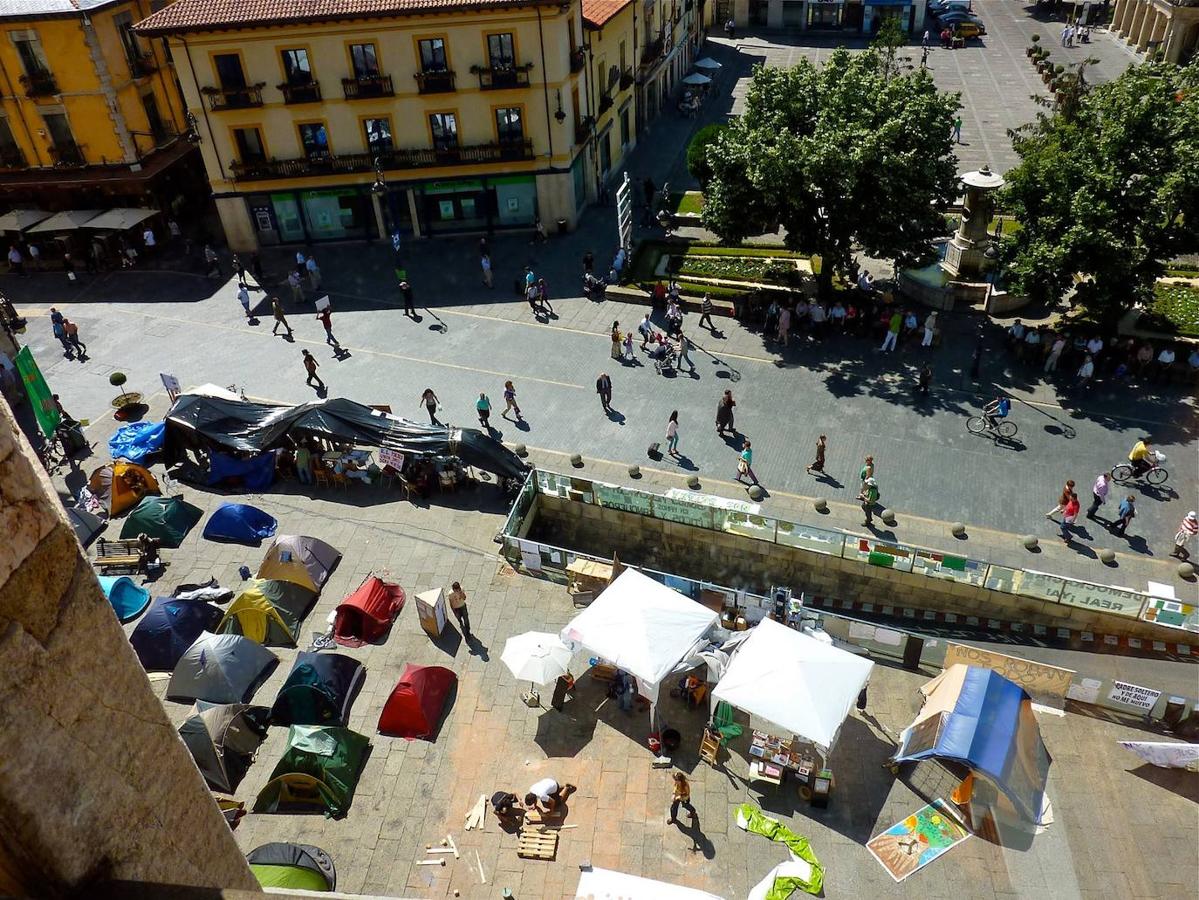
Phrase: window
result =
(10, 154)
(623, 61)
(315, 139)
(500, 51)
(432, 55)
(605, 149)
(33, 61)
(62, 142)
(228, 71)
(157, 128)
(124, 25)
(624, 127)
(509, 125)
(296, 67)
(249, 145)
(445, 130)
(378, 135)
(364, 60)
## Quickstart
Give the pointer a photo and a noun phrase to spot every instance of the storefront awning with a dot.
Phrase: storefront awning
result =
(65, 221)
(120, 219)
(20, 219)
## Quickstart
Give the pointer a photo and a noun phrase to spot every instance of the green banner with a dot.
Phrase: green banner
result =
(43, 405)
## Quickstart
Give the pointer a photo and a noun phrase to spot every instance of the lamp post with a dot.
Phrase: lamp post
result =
(378, 195)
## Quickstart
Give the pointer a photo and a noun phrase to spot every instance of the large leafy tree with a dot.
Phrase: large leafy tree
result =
(847, 154)
(1106, 189)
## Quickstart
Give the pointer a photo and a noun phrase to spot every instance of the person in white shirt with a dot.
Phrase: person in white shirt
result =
(817, 316)
(1016, 332)
(148, 238)
(35, 256)
(1055, 353)
(545, 795)
(1165, 360)
(930, 329)
(314, 274)
(1085, 371)
(16, 262)
(1094, 345)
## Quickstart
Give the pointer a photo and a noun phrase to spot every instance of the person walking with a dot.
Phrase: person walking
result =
(957, 130)
(16, 262)
(646, 330)
(297, 287)
(818, 464)
(616, 348)
(892, 336)
(240, 268)
(430, 401)
(314, 273)
(1085, 372)
(1187, 530)
(483, 409)
(603, 387)
(1069, 514)
(706, 313)
(212, 262)
(543, 297)
(672, 434)
(303, 463)
(930, 329)
(867, 498)
(924, 40)
(310, 366)
(406, 293)
(35, 257)
(485, 263)
(685, 353)
(724, 414)
(325, 317)
(784, 330)
(1125, 513)
(510, 401)
(867, 470)
(681, 796)
(457, 598)
(72, 333)
(745, 465)
(280, 318)
(1055, 353)
(243, 297)
(60, 333)
(924, 380)
(1099, 492)
(1062, 499)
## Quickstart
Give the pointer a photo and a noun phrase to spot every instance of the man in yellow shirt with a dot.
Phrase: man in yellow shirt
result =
(1141, 457)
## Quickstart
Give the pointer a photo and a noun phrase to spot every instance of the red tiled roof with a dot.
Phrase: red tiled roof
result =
(597, 13)
(213, 15)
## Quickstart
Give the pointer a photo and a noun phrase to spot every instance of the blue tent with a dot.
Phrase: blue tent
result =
(978, 718)
(127, 599)
(253, 474)
(237, 523)
(169, 628)
(138, 440)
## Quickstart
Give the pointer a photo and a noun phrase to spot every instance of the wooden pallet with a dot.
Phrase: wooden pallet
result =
(537, 844)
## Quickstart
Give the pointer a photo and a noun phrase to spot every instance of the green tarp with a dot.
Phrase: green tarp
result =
(167, 519)
(290, 877)
(751, 819)
(320, 769)
(40, 398)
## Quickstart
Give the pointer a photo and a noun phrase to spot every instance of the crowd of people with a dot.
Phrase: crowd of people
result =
(1087, 356)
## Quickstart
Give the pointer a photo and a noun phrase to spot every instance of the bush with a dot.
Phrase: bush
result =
(697, 160)
(1036, 39)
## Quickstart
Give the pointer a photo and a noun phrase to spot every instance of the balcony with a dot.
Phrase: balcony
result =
(605, 103)
(39, 84)
(142, 65)
(12, 158)
(234, 98)
(626, 79)
(434, 82)
(367, 86)
(306, 92)
(652, 51)
(578, 59)
(583, 130)
(499, 78)
(67, 155)
(404, 158)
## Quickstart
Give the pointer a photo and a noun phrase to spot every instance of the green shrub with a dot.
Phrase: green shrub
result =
(697, 160)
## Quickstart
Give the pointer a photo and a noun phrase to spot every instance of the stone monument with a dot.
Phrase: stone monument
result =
(964, 259)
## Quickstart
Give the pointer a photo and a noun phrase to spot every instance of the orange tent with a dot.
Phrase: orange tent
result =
(121, 485)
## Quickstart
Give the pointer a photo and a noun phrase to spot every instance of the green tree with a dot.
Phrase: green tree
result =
(839, 156)
(1106, 188)
(697, 148)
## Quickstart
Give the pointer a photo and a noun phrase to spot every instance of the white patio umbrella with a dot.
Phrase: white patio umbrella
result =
(536, 656)
(696, 78)
(707, 63)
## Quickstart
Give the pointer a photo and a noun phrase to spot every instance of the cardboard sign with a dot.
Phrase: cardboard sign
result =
(1036, 678)
(171, 383)
(392, 458)
(322, 303)
(1133, 695)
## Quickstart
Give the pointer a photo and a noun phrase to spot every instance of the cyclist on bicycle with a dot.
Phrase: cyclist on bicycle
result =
(997, 409)
(1141, 456)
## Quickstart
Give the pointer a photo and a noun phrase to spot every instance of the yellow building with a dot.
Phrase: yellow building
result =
(91, 115)
(610, 49)
(1158, 26)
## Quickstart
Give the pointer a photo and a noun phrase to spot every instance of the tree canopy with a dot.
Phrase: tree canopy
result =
(1107, 189)
(846, 154)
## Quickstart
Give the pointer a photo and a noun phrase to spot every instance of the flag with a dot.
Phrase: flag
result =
(44, 407)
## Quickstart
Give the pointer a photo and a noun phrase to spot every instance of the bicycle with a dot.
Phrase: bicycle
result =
(1004, 428)
(1155, 474)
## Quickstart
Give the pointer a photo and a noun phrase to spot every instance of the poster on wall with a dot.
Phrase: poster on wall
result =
(530, 555)
(1133, 695)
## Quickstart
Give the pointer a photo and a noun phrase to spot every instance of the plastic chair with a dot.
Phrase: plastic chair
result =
(722, 721)
(322, 476)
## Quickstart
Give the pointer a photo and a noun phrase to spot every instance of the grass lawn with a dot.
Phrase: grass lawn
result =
(648, 253)
(756, 268)
(691, 202)
(1175, 309)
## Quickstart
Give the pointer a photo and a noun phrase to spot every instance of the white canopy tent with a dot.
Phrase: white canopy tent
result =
(20, 219)
(640, 626)
(697, 78)
(121, 218)
(608, 884)
(798, 684)
(65, 221)
(707, 63)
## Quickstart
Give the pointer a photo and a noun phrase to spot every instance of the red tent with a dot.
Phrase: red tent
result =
(415, 706)
(367, 613)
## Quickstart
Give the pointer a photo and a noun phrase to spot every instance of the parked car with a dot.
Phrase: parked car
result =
(936, 7)
(968, 30)
(952, 18)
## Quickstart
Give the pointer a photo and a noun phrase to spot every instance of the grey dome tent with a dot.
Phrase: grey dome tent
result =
(296, 866)
(319, 690)
(223, 739)
(220, 668)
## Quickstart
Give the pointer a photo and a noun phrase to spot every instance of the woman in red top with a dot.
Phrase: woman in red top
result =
(1069, 514)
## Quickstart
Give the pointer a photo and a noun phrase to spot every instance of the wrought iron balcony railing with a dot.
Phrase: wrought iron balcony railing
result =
(399, 158)
(367, 86)
(234, 98)
(434, 82)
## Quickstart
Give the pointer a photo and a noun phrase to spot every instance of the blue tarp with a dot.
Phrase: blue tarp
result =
(237, 523)
(127, 598)
(137, 441)
(253, 474)
(169, 628)
(990, 728)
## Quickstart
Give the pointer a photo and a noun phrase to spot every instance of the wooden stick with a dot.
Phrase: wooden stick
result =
(449, 837)
(431, 862)
(482, 877)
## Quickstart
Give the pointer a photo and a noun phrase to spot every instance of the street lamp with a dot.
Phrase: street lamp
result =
(193, 130)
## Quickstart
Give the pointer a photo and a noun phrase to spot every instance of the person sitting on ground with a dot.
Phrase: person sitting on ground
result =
(504, 805)
(546, 796)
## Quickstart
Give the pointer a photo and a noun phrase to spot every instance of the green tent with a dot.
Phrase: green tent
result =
(296, 866)
(319, 769)
(168, 519)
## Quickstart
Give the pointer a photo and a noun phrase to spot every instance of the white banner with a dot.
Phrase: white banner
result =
(1163, 753)
(1133, 695)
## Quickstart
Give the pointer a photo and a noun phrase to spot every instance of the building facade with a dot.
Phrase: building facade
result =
(345, 120)
(1151, 26)
(610, 48)
(90, 114)
(854, 16)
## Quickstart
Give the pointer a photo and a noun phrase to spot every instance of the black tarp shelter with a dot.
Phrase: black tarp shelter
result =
(197, 421)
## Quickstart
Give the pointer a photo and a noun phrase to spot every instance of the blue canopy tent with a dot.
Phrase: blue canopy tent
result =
(253, 474)
(237, 523)
(169, 628)
(137, 440)
(978, 718)
(128, 599)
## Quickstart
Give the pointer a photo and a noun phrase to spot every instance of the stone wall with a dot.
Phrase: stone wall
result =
(95, 784)
(740, 562)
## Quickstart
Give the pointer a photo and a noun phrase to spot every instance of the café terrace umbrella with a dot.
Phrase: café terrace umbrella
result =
(696, 78)
(707, 63)
(536, 656)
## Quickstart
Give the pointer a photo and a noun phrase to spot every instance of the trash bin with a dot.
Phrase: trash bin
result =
(561, 226)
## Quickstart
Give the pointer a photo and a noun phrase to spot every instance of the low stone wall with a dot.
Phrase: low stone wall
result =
(741, 562)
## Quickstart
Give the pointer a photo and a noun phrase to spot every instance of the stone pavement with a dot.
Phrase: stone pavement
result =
(1121, 828)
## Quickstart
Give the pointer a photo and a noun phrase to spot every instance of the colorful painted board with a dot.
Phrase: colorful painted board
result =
(912, 844)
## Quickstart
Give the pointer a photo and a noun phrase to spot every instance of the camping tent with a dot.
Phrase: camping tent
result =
(269, 612)
(640, 626)
(367, 613)
(128, 599)
(223, 739)
(87, 525)
(608, 884)
(220, 668)
(417, 702)
(977, 717)
(197, 421)
(167, 519)
(237, 523)
(294, 866)
(120, 485)
(241, 473)
(168, 629)
(320, 768)
(137, 440)
(320, 689)
(301, 560)
(795, 682)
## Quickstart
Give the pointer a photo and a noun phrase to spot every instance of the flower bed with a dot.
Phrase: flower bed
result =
(766, 269)
(1175, 309)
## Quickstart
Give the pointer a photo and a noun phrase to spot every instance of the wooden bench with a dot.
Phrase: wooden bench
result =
(132, 554)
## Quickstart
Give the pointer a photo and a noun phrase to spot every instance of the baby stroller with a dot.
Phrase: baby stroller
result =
(594, 288)
(665, 358)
